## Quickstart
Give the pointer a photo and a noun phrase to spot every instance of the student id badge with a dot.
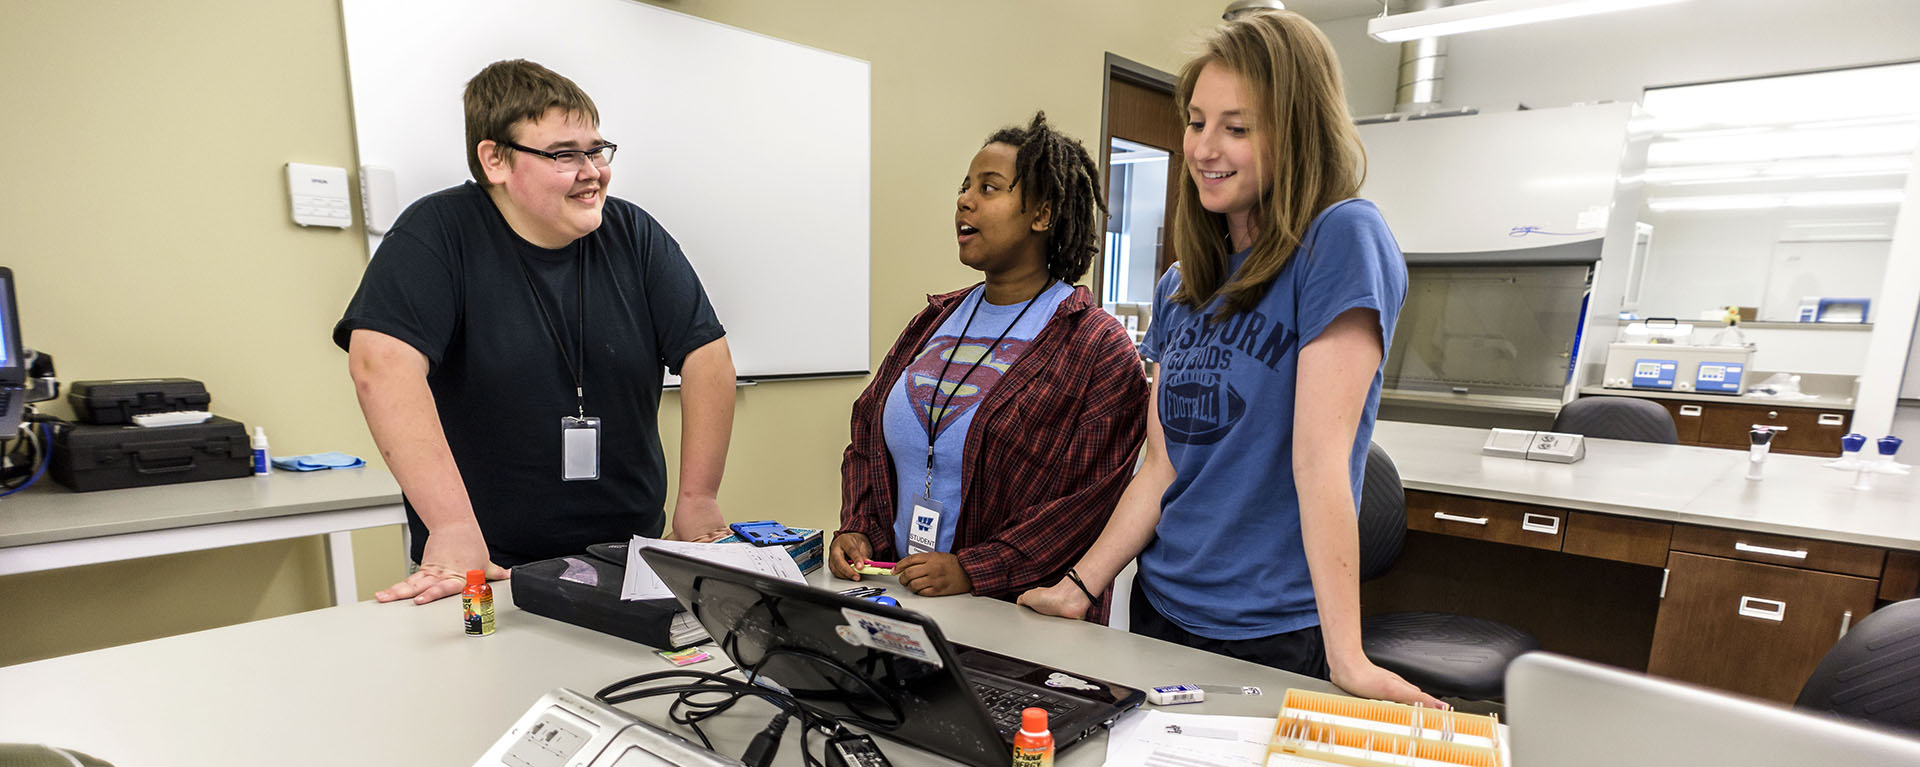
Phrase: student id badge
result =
(579, 448)
(924, 535)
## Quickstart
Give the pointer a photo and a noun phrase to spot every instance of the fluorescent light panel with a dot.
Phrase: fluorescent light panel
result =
(1491, 14)
(1759, 201)
(1795, 169)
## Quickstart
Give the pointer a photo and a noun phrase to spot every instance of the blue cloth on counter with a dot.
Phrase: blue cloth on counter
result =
(317, 461)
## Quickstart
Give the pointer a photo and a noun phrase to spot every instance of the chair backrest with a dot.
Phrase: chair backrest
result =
(1383, 514)
(1617, 418)
(1873, 673)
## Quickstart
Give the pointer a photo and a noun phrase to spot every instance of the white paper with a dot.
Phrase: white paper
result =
(642, 583)
(1156, 738)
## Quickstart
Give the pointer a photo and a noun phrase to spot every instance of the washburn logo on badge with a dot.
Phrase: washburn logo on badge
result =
(1200, 408)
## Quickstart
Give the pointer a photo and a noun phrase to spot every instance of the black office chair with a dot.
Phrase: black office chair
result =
(1446, 655)
(1617, 418)
(1873, 673)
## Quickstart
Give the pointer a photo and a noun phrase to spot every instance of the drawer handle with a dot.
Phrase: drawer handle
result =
(1752, 549)
(1445, 517)
(1832, 419)
(1540, 523)
(1764, 609)
(1690, 410)
(1771, 414)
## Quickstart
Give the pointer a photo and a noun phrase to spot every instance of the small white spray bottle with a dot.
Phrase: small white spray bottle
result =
(262, 463)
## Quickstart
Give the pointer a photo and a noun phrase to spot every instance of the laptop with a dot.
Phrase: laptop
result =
(1570, 713)
(13, 359)
(889, 667)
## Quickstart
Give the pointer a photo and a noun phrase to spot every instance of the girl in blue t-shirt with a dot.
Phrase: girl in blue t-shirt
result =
(1268, 341)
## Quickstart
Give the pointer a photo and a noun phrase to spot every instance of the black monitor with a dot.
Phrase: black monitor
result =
(13, 365)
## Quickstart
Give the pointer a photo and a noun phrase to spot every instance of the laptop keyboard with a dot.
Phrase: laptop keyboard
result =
(1004, 703)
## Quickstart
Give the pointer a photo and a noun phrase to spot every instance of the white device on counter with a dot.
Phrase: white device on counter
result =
(319, 195)
(1550, 446)
(1507, 443)
(1556, 447)
(567, 729)
(1175, 694)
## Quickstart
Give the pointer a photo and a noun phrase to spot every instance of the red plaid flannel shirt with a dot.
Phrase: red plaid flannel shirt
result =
(1050, 449)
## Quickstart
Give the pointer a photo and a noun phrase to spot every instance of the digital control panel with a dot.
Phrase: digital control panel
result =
(1718, 377)
(1654, 374)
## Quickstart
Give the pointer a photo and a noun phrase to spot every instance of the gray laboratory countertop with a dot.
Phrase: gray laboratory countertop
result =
(368, 684)
(1817, 401)
(1670, 483)
(48, 512)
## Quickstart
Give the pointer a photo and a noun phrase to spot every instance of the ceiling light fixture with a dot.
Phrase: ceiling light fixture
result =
(1490, 14)
(1239, 8)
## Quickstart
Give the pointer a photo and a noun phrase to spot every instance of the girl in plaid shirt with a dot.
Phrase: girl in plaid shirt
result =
(989, 450)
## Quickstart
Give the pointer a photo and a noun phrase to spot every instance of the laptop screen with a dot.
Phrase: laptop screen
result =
(902, 682)
(1570, 713)
(13, 370)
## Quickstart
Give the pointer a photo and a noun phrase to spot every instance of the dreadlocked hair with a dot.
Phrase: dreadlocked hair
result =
(1054, 169)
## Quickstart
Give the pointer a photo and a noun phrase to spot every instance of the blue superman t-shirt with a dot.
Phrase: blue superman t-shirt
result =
(1227, 560)
(922, 397)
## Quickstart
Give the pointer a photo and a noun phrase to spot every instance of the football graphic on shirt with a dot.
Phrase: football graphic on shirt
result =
(1199, 408)
(957, 356)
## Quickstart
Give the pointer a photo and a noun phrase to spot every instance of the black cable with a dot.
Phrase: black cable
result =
(39, 456)
(764, 745)
(732, 690)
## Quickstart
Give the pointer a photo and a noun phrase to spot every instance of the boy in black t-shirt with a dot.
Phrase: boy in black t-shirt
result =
(507, 341)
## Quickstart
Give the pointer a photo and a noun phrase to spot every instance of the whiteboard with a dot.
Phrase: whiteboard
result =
(753, 152)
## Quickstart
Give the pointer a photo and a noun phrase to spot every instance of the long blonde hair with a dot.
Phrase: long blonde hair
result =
(1299, 108)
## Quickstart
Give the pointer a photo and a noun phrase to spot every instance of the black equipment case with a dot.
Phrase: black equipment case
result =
(91, 457)
(116, 402)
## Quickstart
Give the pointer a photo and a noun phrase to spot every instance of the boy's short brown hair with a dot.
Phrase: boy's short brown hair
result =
(506, 92)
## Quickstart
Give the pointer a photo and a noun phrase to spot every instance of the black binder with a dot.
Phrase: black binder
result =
(584, 590)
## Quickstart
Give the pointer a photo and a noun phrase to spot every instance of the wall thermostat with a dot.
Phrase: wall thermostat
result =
(319, 195)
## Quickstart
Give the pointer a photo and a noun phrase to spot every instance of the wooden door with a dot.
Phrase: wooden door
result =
(1751, 628)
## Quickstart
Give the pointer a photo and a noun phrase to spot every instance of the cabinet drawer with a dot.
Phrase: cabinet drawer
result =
(1751, 628)
(1846, 558)
(1901, 580)
(1809, 431)
(1519, 524)
(1814, 432)
(1686, 419)
(1620, 539)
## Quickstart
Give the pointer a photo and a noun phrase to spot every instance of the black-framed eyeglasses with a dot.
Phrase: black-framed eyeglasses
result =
(569, 160)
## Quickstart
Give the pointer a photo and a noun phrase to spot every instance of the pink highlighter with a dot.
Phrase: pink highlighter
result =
(871, 567)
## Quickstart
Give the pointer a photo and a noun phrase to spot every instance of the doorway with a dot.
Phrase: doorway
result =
(1141, 137)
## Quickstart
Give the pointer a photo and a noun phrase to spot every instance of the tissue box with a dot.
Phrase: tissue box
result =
(809, 553)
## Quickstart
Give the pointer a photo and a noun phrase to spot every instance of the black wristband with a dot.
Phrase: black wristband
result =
(1075, 577)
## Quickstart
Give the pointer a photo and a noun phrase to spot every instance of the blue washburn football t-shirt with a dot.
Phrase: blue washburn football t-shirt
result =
(1227, 560)
(908, 405)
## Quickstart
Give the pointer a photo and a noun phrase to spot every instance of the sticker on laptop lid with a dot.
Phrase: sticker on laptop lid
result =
(902, 638)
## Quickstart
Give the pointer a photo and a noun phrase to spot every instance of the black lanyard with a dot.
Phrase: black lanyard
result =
(576, 362)
(933, 423)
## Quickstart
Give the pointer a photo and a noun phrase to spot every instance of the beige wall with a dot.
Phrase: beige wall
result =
(146, 218)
